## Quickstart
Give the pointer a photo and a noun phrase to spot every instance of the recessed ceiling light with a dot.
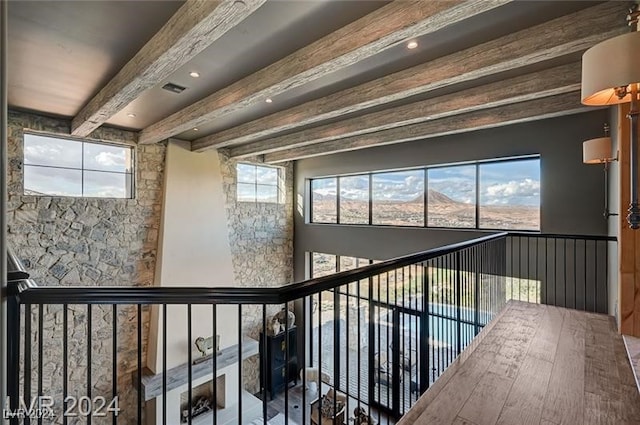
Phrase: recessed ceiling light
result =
(412, 44)
(194, 74)
(131, 115)
(195, 128)
(268, 100)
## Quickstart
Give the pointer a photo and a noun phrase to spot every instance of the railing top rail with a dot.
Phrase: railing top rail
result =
(561, 236)
(29, 293)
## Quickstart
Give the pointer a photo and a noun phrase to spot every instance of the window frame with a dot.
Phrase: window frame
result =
(425, 169)
(280, 195)
(82, 141)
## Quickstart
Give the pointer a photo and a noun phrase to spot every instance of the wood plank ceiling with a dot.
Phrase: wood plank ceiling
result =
(335, 94)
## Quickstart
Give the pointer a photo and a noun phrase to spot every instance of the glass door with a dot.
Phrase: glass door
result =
(396, 359)
(383, 379)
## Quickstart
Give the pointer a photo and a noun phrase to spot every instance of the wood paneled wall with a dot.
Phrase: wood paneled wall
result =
(628, 239)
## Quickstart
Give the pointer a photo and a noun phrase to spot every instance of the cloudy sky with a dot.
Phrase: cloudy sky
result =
(54, 167)
(501, 183)
(458, 183)
(510, 183)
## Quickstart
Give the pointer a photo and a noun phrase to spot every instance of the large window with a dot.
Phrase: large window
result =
(64, 167)
(258, 183)
(354, 199)
(510, 195)
(398, 198)
(324, 200)
(500, 194)
(452, 196)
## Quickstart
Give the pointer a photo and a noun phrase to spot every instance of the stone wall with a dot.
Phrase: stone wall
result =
(261, 239)
(98, 242)
(89, 242)
(260, 234)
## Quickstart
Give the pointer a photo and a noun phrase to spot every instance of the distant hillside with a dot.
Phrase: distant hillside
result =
(435, 197)
(320, 197)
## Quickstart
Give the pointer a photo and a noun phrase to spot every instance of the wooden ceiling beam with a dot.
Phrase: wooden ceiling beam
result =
(380, 30)
(549, 82)
(532, 110)
(194, 27)
(567, 35)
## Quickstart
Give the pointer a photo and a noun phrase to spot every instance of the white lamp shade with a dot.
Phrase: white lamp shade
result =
(597, 151)
(610, 64)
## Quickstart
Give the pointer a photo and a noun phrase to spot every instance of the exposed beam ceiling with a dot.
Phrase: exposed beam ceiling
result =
(553, 106)
(558, 38)
(552, 81)
(368, 36)
(196, 25)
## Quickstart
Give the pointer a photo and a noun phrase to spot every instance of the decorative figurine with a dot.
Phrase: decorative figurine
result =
(205, 347)
(290, 317)
(275, 325)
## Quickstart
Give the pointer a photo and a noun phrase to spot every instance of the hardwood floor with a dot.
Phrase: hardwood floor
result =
(536, 365)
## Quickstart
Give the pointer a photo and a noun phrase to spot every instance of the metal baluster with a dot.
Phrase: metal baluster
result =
(65, 361)
(336, 342)
(595, 277)
(304, 362)
(89, 385)
(114, 350)
(319, 389)
(575, 278)
(164, 365)
(286, 419)
(457, 291)
(519, 272)
(476, 293)
(214, 363)
(359, 344)
(371, 346)
(264, 366)
(40, 353)
(546, 272)
(527, 274)
(346, 329)
(27, 357)
(564, 249)
(189, 368)
(424, 332)
(538, 297)
(606, 276)
(555, 270)
(585, 275)
(139, 372)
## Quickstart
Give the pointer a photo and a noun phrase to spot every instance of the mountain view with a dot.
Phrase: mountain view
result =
(508, 193)
(443, 212)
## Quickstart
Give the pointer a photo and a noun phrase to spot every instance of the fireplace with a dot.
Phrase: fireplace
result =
(202, 400)
(176, 399)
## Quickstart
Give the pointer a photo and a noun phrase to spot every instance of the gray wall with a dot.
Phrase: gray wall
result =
(572, 193)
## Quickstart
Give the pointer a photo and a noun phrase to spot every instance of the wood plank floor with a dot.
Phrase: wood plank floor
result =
(536, 365)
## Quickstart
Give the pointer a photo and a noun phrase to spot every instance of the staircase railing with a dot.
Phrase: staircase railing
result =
(377, 337)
